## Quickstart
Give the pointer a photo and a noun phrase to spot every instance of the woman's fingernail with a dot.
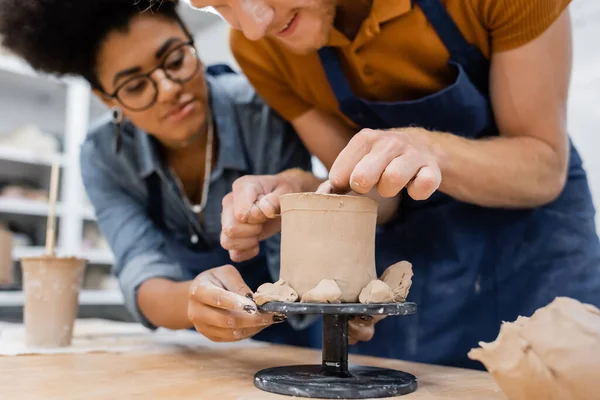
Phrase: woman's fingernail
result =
(250, 309)
(366, 318)
(277, 318)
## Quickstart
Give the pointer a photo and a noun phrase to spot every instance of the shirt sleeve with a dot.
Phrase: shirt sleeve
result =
(137, 244)
(513, 23)
(261, 67)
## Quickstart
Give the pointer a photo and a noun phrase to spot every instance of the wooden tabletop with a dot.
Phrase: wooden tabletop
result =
(198, 371)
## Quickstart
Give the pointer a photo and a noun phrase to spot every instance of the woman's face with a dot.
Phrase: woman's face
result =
(180, 110)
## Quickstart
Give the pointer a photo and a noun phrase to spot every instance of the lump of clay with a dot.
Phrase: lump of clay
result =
(278, 291)
(399, 278)
(326, 236)
(327, 291)
(554, 355)
(376, 292)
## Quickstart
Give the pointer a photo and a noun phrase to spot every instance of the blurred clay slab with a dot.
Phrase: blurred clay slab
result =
(223, 372)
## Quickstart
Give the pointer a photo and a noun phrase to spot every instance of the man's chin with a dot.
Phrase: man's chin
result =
(303, 49)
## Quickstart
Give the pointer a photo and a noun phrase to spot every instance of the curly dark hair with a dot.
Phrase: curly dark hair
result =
(62, 37)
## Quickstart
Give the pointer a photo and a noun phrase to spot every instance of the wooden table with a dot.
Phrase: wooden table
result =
(201, 372)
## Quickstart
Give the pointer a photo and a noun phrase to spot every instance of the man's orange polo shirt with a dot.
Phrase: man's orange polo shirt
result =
(396, 55)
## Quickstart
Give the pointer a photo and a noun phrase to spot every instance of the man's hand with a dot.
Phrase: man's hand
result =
(388, 161)
(362, 329)
(251, 210)
(221, 306)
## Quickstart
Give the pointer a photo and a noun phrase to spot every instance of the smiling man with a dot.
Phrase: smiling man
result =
(458, 107)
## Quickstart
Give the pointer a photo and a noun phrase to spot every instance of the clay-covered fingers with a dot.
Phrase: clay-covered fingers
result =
(221, 307)
(223, 288)
(222, 325)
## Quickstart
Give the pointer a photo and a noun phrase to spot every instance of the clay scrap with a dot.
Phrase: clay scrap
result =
(399, 278)
(327, 291)
(376, 292)
(553, 355)
(278, 291)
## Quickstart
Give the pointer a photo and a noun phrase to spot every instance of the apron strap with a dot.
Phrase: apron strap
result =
(332, 66)
(461, 51)
(348, 103)
(446, 28)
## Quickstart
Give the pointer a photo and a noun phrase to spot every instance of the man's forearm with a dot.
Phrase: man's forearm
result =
(512, 172)
(165, 303)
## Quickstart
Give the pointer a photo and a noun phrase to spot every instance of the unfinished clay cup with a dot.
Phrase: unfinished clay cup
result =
(6, 260)
(51, 286)
(325, 236)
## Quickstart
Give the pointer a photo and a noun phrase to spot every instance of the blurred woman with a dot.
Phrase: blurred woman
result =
(159, 170)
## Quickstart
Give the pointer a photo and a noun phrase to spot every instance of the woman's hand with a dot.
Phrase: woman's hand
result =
(221, 306)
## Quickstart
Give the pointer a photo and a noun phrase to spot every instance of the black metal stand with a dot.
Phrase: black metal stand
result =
(334, 378)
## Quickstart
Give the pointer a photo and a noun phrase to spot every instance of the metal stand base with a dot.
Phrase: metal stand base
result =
(310, 381)
(334, 379)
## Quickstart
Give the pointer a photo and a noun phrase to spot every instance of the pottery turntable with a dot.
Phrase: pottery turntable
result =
(334, 378)
(328, 268)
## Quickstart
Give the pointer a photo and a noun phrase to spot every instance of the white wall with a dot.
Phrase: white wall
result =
(213, 44)
(584, 100)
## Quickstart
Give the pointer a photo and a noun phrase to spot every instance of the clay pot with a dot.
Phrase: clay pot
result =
(51, 286)
(6, 261)
(326, 236)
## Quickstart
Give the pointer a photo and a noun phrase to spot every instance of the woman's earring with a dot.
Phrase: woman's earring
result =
(117, 118)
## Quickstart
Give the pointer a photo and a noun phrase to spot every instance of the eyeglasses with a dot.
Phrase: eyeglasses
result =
(140, 92)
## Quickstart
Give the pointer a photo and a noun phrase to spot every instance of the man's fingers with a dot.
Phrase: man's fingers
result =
(369, 170)
(400, 171)
(242, 243)
(244, 255)
(362, 331)
(235, 229)
(342, 168)
(245, 193)
(426, 182)
(362, 328)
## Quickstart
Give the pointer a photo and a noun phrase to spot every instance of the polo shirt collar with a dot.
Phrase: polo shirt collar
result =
(381, 11)
(231, 154)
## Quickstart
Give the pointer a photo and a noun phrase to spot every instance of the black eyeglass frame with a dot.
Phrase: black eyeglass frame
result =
(148, 75)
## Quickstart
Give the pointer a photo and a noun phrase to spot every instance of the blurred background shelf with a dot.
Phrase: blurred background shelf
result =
(25, 156)
(26, 207)
(86, 298)
(94, 257)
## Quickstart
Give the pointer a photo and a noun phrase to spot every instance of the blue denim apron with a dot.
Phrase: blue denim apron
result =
(197, 258)
(474, 267)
